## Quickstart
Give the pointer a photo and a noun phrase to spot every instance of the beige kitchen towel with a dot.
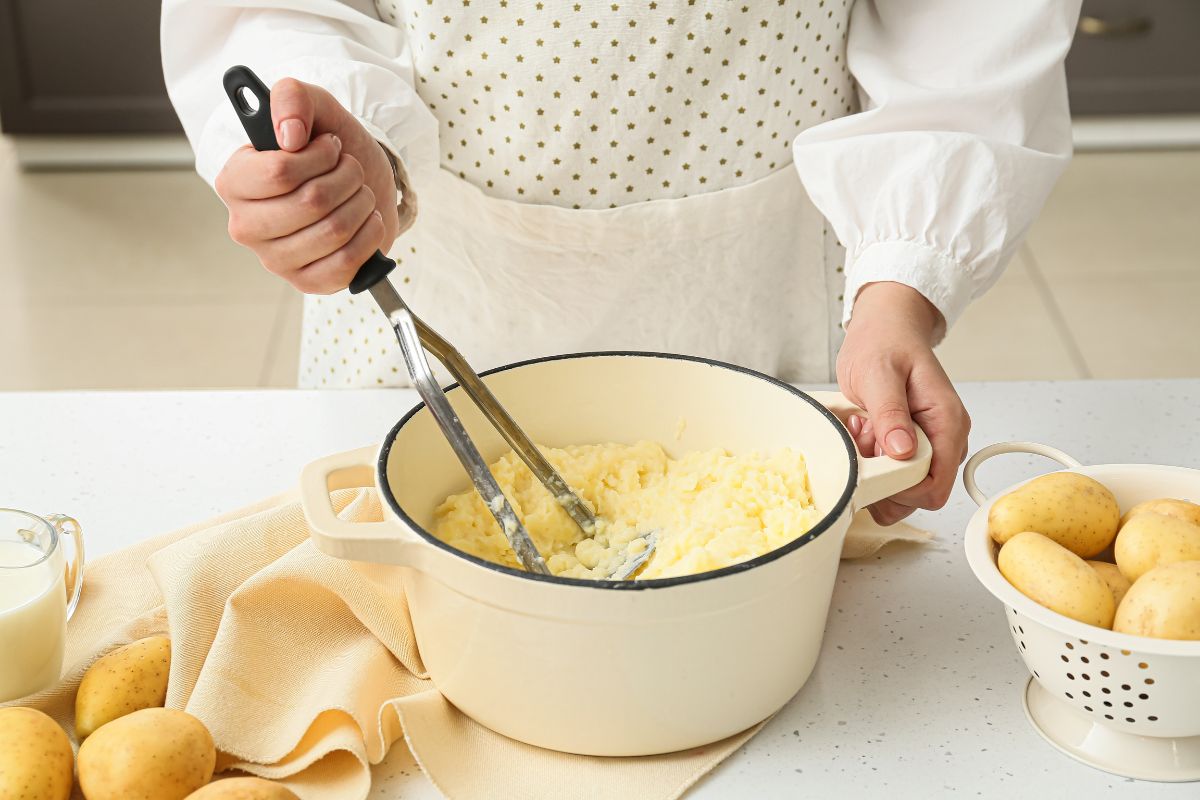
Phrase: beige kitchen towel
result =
(866, 536)
(304, 667)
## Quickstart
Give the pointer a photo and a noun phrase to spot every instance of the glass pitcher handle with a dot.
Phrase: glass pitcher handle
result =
(65, 526)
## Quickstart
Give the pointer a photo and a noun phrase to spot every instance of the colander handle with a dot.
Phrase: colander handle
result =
(1009, 447)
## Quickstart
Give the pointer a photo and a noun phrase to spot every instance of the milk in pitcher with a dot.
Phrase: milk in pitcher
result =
(33, 620)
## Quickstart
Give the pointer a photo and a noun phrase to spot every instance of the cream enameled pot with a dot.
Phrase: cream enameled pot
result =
(604, 668)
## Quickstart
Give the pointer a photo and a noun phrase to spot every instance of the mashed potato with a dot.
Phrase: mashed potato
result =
(710, 509)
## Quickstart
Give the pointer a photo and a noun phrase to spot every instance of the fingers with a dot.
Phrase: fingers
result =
(251, 175)
(942, 417)
(887, 366)
(863, 434)
(312, 201)
(301, 111)
(335, 271)
(292, 111)
(885, 397)
(947, 429)
(316, 209)
(888, 512)
(288, 254)
(948, 426)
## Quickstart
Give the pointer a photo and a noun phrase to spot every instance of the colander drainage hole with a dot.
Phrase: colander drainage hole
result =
(1070, 646)
(1129, 719)
(1108, 716)
(1127, 704)
(1107, 704)
(1086, 693)
(1069, 695)
(1087, 708)
(1152, 719)
(1125, 686)
(1070, 676)
(1084, 659)
(1104, 672)
(1143, 696)
(1085, 676)
(1065, 659)
(1104, 656)
(1106, 690)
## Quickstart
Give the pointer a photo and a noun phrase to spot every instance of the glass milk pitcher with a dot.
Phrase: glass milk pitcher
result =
(39, 590)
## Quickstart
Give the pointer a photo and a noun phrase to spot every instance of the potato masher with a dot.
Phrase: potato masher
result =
(415, 337)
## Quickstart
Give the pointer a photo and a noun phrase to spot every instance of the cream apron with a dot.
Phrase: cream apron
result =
(749, 275)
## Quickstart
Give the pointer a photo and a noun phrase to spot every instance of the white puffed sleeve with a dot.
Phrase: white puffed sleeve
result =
(341, 46)
(964, 131)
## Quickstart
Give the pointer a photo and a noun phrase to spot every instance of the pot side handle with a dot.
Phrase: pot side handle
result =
(1009, 447)
(880, 477)
(379, 542)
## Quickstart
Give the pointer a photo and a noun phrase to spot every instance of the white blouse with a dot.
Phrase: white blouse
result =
(962, 132)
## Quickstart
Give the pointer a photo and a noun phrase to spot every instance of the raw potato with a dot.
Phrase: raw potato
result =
(126, 680)
(1112, 575)
(1053, 576)
(151, 754)
(1072, 509)
(243, 789)
(1167, 506)
(1149, 540)
(1164, 603)
(36, 762)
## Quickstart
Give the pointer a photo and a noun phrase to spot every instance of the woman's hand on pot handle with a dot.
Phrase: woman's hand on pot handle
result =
(317, 208)
(887, 366)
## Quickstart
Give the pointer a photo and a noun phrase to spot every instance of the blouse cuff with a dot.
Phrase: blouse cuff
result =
(406, 196)
(939, 278)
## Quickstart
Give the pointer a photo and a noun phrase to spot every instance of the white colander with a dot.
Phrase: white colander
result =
(1126, 704)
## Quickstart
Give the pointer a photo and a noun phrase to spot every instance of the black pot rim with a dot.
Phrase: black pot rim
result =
(637, 585)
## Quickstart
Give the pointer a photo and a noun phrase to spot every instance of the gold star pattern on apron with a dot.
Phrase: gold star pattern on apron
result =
(598, 104)
(601, 106)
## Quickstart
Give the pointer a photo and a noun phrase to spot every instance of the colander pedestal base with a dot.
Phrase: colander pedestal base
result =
(1147, 758)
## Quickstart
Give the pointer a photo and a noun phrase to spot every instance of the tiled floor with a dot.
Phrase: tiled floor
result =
(127, 280)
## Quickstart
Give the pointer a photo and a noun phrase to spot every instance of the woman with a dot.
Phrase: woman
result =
(667, 175)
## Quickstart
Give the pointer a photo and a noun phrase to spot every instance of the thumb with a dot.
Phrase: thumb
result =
(885, 395)
(292, 111)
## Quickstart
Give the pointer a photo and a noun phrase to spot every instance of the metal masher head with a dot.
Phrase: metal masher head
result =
(415, 337)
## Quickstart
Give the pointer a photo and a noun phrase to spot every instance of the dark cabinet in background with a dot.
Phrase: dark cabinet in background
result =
(1136, 57)
(74, 66)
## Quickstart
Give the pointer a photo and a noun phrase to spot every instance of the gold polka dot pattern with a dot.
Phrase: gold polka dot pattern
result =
(593, 106)
(602, 104)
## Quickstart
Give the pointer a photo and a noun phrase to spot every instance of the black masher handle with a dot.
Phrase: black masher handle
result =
(241, 84)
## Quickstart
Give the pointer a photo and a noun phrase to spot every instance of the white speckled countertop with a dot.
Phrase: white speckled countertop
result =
(917, 693)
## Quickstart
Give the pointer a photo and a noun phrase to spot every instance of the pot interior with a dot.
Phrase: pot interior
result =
(684, 404)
